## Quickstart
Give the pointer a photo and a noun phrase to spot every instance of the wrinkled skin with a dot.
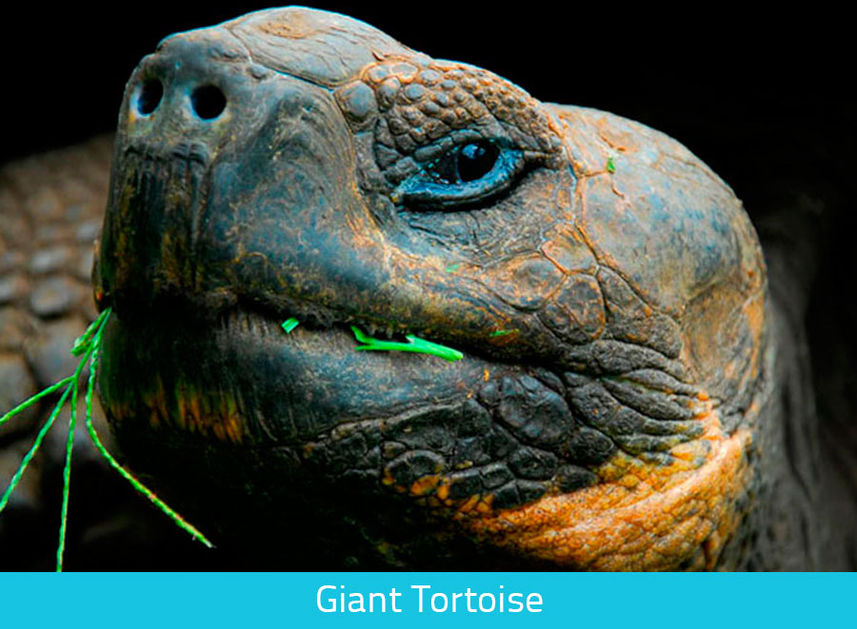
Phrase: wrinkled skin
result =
(615, 407)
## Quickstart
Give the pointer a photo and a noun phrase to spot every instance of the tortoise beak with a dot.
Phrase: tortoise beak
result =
(179, 108)
(219, 159)
(157, 203)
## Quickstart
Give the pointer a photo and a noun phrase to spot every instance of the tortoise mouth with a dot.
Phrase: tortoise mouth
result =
(411, 423)
(239, 376)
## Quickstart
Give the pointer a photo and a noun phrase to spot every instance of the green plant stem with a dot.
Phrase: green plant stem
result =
(16, 478)
(23, 406)
(87, 347)
(90, 427)
(414, 344)
(69, 448)
(290, 324)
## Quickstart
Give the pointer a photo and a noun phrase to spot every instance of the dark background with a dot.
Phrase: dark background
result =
(765, 101)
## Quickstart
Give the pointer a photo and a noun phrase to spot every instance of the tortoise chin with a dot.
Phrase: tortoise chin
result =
(605, 287)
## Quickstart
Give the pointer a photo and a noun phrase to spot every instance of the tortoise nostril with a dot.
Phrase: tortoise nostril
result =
(208, 102)
(150, 96)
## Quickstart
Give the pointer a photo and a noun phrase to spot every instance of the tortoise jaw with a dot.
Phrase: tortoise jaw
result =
(239, 377)
(191, 397)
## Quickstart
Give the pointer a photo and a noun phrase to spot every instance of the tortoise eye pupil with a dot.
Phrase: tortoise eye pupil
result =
(463, 175)
(476, 159)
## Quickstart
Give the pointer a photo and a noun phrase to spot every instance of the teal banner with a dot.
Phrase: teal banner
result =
(405, 600)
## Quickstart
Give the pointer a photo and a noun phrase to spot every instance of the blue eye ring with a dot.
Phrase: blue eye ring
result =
(431, 190)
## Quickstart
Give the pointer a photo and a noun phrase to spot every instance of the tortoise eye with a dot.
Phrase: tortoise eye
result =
(463, 175)
(466, 162)
(476, 160)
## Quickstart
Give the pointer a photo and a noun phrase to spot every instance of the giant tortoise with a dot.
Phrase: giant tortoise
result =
(632, 390)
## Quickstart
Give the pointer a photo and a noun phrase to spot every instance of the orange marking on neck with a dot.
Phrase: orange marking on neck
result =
(642, 516)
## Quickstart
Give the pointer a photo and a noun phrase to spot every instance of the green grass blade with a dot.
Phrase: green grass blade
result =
(84, 341)
(16, 478)
(23, 406)
(69, 448)
(435, 349)
(96, 440)
(290, 324)
(87, 347)
(497, 333)
(414, 344)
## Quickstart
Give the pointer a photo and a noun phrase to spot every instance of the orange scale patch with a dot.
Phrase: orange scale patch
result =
(665, 517)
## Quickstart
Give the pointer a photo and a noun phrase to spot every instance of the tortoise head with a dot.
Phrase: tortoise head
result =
(604, 286)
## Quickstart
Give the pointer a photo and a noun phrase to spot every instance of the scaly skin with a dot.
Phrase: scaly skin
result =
(607, 288)
(618, 406)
